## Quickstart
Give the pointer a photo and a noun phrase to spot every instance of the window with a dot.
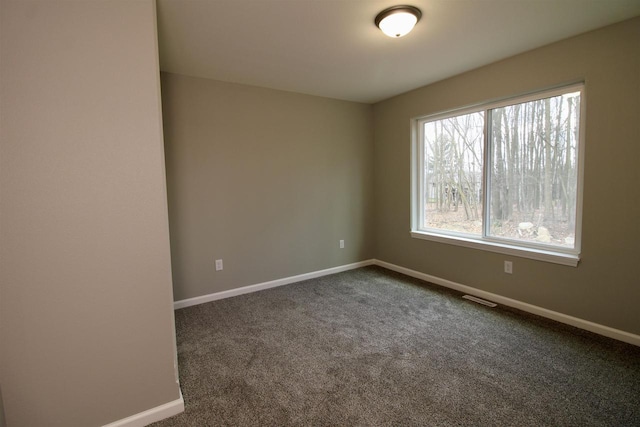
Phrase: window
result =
(503, 176)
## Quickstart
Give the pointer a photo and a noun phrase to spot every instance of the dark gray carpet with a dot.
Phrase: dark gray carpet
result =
(371, 347)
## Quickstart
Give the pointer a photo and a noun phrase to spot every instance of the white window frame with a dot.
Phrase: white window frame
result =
(541, 252)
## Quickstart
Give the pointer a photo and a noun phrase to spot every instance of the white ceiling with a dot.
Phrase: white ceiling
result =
(332, 48)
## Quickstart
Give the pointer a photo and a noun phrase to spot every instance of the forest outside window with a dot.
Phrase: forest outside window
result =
(504, 177)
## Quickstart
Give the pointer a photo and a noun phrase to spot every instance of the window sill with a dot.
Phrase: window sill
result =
(502, 248)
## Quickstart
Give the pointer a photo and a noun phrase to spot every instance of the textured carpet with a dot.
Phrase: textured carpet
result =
(371, 347)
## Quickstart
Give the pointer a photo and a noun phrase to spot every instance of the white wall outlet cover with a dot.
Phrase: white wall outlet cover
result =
(508, 267)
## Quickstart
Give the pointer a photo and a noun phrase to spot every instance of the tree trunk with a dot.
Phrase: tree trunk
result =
(498, 181)
(548, 169)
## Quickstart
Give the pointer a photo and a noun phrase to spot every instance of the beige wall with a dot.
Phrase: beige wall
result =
(605, 287)
(86, 308)
(268, 181)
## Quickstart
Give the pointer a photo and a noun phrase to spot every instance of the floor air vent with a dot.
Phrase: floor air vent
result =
(479, 300)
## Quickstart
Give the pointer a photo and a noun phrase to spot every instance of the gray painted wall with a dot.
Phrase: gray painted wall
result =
(86, 308)
(268, 181)
(605, 287)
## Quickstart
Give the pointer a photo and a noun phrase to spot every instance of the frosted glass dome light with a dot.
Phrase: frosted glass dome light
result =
(398, 21)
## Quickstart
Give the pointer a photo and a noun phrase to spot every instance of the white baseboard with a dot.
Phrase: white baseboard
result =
(266, 285)
(152, 415)
(549, 314)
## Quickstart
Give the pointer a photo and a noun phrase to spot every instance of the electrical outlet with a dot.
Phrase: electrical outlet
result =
(508, 267)
(218, 264)
(341, 244)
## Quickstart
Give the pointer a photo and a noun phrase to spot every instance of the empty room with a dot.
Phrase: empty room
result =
(319, 212)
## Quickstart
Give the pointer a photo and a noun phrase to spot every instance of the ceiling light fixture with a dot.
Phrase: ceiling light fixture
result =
(398, 21)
